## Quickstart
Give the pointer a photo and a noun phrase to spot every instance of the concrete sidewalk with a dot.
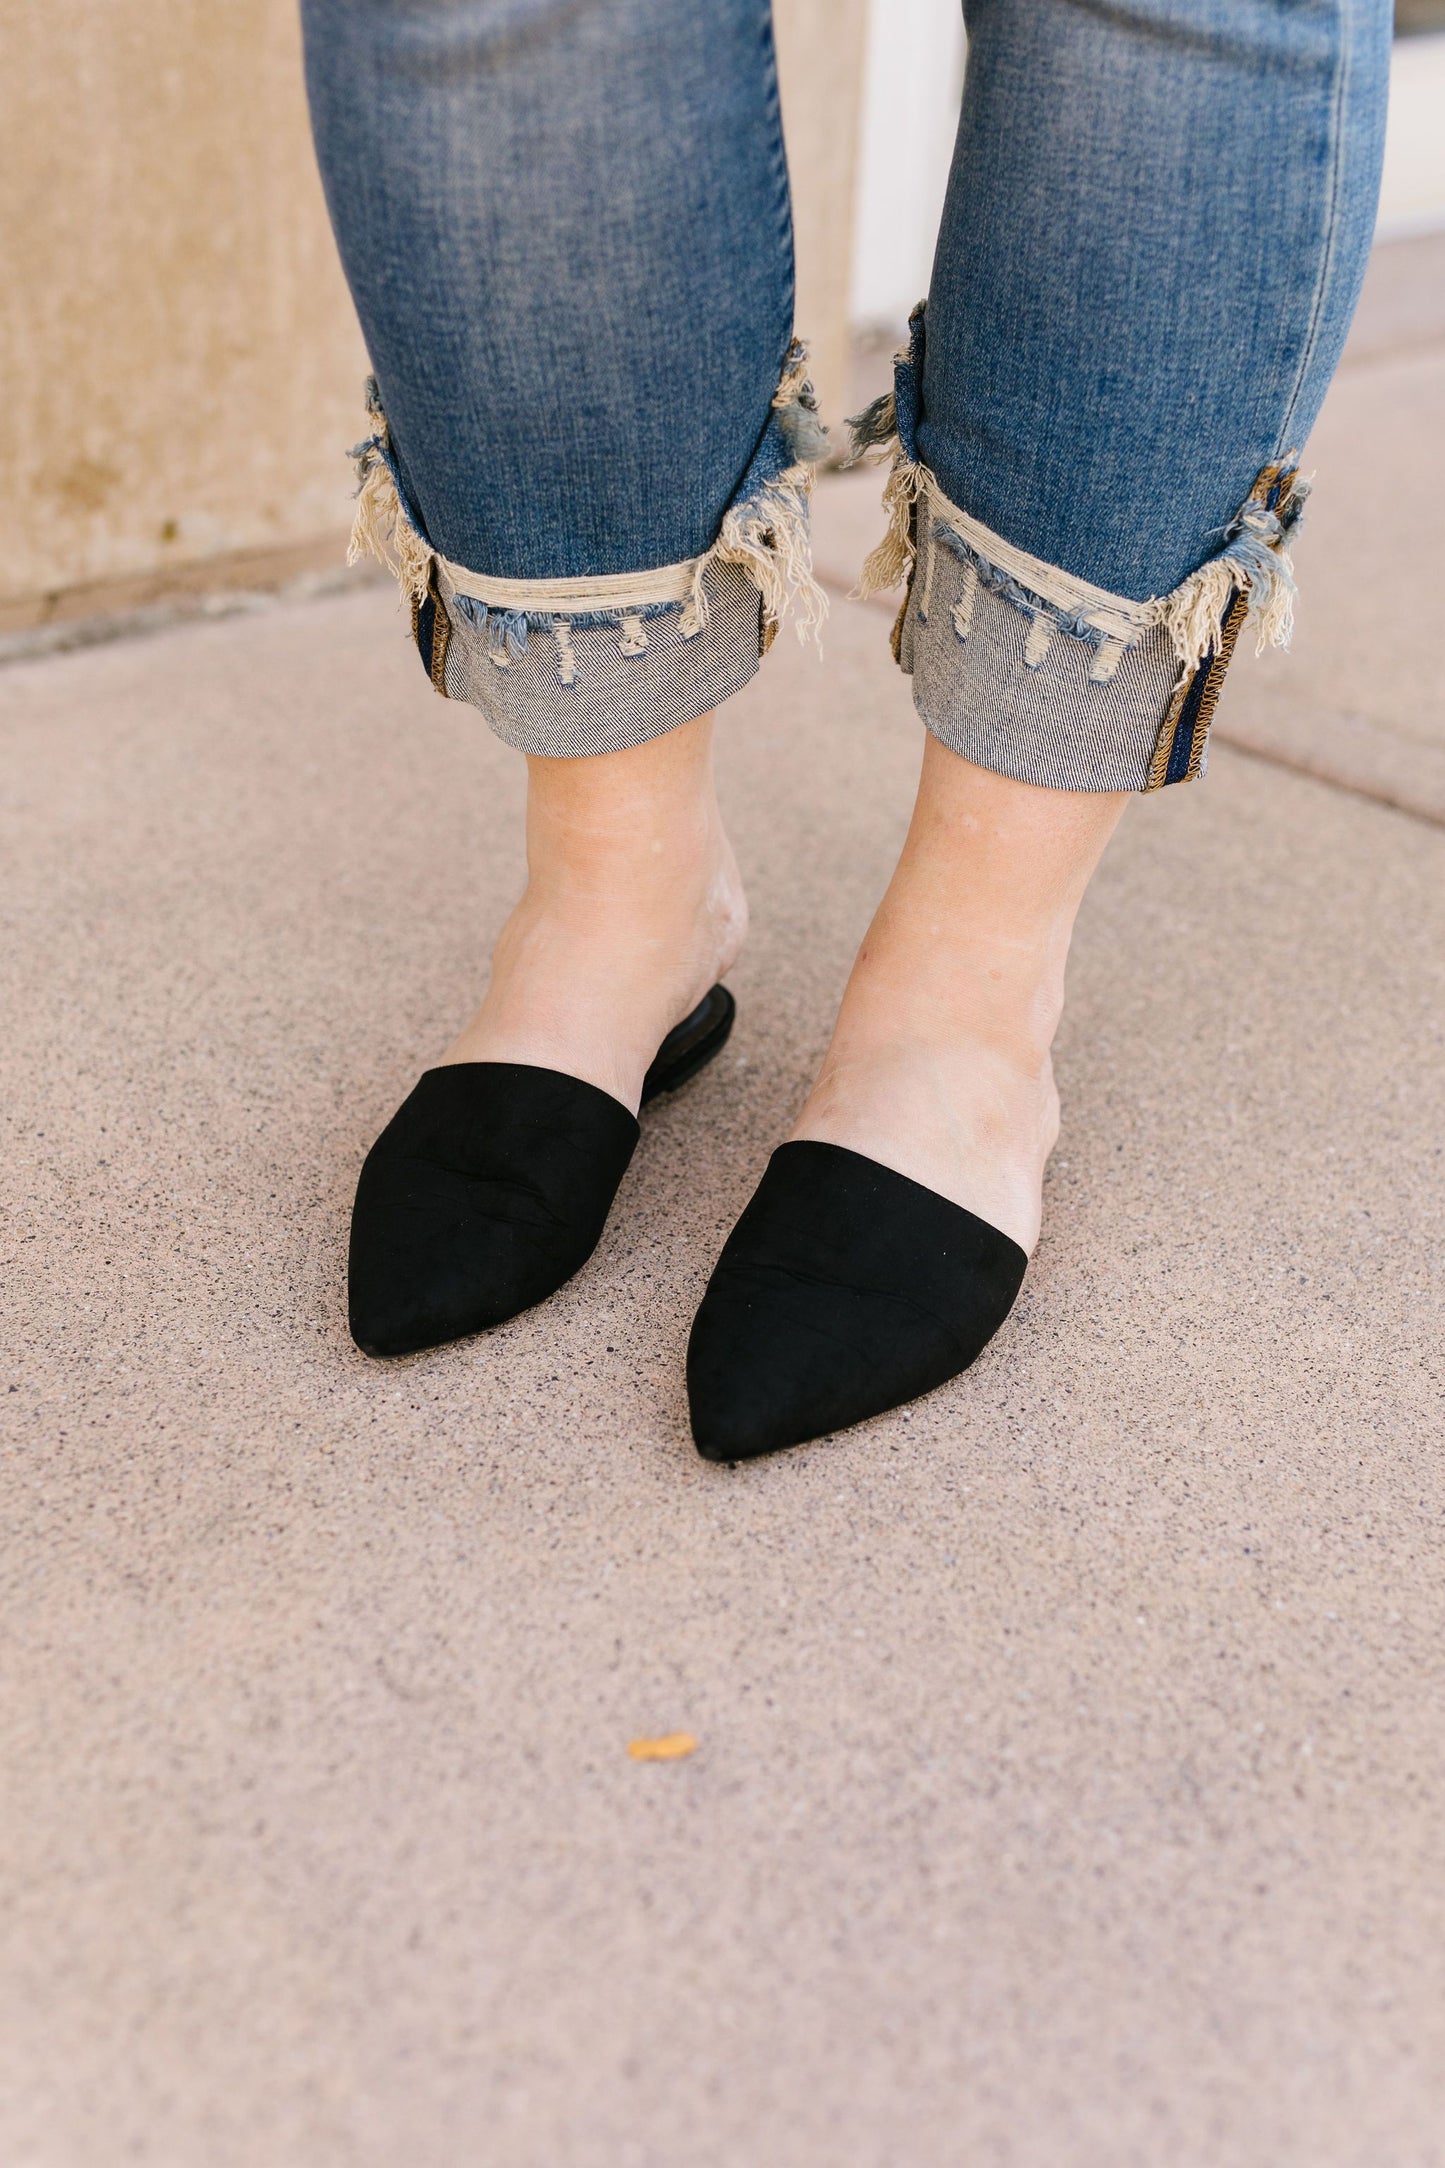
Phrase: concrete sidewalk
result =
(1071, 1786)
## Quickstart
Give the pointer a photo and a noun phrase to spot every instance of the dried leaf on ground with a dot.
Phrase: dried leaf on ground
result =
(674, 1746)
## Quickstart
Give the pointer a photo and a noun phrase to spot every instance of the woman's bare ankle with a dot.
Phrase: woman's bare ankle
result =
(940, 1064)
(633, 909)
(955, 1116)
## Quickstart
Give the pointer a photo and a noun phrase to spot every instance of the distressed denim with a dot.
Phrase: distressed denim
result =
(567, 229)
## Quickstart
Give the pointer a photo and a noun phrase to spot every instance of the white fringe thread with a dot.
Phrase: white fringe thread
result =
(1191, 614)
(380, 527)
(1194, 612)
(767, 537)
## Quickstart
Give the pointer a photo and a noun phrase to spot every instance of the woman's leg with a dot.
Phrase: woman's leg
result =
(1154, 238)
(567, 230)
(1155, 233)
(940, 1060)
(633, 909)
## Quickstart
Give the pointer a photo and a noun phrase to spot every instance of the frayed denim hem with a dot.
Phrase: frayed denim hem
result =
(572, 667)
(1026, 669)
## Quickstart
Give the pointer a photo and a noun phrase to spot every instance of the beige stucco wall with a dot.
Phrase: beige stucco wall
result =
(183, 369)
(820, 63)
(180, 362)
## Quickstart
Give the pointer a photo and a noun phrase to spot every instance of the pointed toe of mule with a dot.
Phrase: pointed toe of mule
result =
(491, 1185)
(844, 1290)
(487, 1190)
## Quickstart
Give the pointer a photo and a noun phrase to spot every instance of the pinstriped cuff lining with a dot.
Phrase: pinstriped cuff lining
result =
(590, 682)
(1023, 669)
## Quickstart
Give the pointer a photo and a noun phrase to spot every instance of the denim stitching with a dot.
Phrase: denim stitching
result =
(1175, 761)
(1009, 589)
(764, 534)
(1327, 261)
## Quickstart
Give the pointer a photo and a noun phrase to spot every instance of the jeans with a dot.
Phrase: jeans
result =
(566, 226)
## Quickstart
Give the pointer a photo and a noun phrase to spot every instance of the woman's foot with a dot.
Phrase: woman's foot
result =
(939, 1066)
(492, 1182)
(633, 909)
(888, 1238)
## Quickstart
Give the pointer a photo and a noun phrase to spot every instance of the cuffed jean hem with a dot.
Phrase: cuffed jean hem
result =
(567, 668)
(574, 681)
(1027, 669)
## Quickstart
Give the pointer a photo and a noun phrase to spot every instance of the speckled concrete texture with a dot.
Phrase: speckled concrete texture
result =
(1071, 1780)
(1369, 570)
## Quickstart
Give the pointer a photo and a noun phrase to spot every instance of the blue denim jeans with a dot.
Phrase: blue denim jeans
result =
(567, 229)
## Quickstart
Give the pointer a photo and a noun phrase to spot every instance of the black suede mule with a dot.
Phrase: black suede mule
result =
(844, 1290)
(491, 1185)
